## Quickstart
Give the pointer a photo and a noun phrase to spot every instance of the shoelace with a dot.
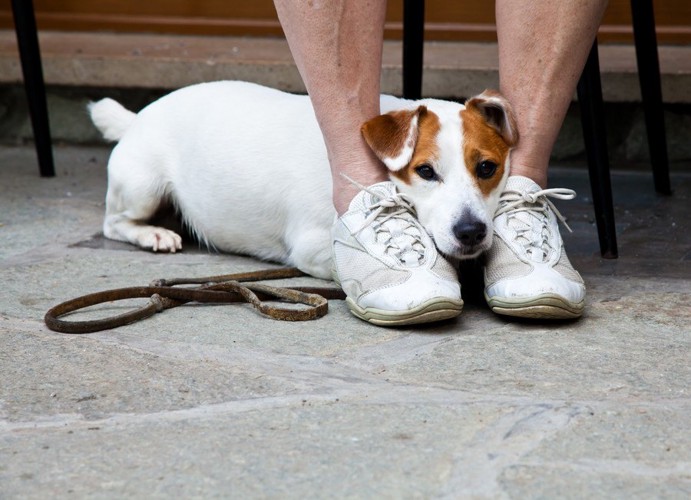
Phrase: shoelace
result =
(391, 219)
(535, 205)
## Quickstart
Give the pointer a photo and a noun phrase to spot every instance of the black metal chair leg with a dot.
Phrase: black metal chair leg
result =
(30, 55)
(651, 91)
(594, 132)
(413, 38)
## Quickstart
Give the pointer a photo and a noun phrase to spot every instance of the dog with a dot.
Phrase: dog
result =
(247, 169)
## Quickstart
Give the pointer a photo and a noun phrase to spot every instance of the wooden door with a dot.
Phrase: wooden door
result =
(445, 19)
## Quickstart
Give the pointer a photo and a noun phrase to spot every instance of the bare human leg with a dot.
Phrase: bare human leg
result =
(543, 45)
(337, 47)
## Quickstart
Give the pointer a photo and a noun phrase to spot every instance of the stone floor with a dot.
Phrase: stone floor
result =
(217, 401)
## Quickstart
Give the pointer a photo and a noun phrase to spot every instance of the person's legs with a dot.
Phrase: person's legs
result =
(543, 46)
(382, 257)
(337, 47)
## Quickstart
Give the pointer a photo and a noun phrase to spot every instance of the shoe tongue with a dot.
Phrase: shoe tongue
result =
(376, 192)
(529, 226)
(521, 184)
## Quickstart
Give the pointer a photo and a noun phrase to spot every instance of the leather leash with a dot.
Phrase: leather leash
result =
(224, 289)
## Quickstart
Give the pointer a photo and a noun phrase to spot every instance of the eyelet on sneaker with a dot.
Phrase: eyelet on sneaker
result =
(388, 265)
(527, 272)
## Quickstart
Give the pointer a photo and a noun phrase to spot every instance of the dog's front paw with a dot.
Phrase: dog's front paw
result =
(159, 239)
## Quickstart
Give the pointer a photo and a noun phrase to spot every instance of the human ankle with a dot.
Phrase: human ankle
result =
(347, 184)
(343, 196)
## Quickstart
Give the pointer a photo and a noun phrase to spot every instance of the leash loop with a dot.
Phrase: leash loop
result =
(230, 288)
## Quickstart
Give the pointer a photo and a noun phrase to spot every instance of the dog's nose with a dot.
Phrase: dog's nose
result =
(470, 233)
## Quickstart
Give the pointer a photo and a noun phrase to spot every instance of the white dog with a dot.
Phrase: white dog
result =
(247, 169)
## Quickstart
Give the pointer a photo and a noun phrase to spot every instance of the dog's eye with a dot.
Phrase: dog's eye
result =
(485, 169)
(426, 172)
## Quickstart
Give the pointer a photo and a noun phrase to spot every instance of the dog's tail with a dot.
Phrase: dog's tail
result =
(111, 118)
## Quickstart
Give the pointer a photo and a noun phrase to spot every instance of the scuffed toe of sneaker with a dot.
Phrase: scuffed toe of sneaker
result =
(435, 309)
(542, 293)
(542, 306)
(421, 298)
(420, 287)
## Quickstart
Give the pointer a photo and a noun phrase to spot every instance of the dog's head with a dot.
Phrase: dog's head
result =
(452, 161)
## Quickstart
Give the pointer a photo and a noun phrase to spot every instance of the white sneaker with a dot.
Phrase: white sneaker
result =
(527, 273)
(388, 265)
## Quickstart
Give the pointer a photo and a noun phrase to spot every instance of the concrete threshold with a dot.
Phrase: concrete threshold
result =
(452, 69)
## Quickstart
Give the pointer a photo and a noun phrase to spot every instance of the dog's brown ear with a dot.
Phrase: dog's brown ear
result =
(497, 112)
(393, 136)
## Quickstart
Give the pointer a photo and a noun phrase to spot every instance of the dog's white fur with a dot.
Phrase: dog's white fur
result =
(247, 169)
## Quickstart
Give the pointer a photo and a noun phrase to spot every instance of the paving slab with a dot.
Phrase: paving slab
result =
(218, 401)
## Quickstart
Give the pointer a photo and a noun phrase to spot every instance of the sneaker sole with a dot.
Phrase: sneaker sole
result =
(547, 306)
(428, 312)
